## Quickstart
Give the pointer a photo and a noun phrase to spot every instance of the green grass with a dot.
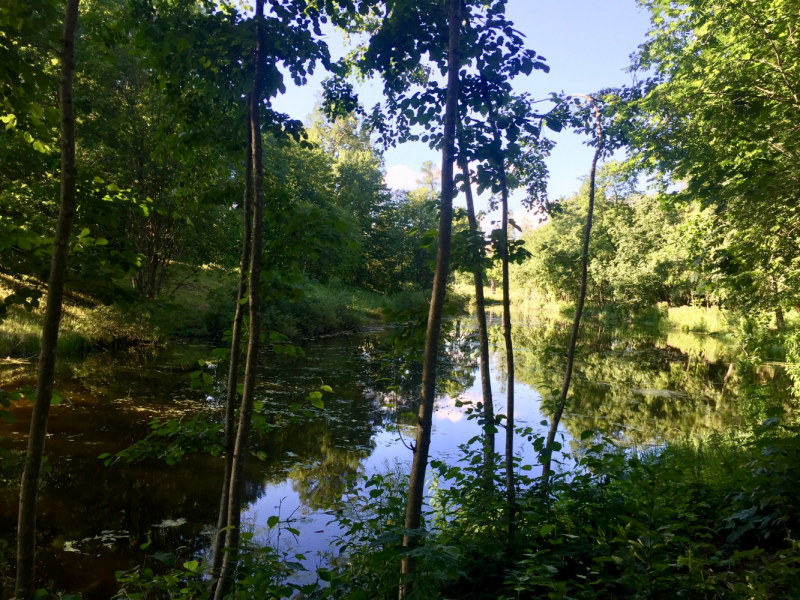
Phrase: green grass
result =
(20, 335)
(202, 307)
(699, 319)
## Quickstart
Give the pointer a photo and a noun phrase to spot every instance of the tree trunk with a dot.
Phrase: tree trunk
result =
(780, 322)
(416, 485)
(236, 489)
(29, 486)
(510, 483)
(233, 367)
(483, 332)
(573, 339)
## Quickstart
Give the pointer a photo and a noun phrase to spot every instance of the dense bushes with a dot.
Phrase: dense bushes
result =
(318, 310)
(710, 519)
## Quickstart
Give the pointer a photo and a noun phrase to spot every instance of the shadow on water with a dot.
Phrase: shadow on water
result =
(647, 387)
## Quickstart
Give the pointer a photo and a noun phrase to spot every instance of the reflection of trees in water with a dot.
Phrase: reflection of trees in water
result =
(394, 380)
(321, 484)
(633, 382)
(116, 394)
(392, 371)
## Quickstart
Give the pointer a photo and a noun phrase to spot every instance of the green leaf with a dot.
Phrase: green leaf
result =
(327, 388)
(164, 557)
(317, 403)
(272, 521)
(191, 565)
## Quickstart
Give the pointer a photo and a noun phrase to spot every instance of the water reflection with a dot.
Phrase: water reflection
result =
(645, 386)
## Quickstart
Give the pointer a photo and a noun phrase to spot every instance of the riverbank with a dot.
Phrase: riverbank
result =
(200, 308)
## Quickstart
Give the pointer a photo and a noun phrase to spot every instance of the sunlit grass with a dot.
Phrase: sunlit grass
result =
(699, 319)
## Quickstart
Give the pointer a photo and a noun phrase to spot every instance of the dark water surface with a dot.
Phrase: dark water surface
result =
(646, 387)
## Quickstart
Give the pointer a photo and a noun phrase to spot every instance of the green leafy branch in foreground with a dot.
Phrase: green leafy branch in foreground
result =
(712, 519)
(263, 573)
(173, 439)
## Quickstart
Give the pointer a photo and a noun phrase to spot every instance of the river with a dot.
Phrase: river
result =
(643, 386)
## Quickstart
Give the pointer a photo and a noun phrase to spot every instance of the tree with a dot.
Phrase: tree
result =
(640, 252)
(480, 314)
(416, 484)
(719, 110)
(233, 365)
(502, 133)
(573, 339)
(26, 528)
(28, 30)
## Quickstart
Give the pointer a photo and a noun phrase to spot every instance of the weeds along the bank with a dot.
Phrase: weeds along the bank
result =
(200, 310)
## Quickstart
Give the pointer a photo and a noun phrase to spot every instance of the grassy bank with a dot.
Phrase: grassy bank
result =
(200, 308)
(699, 319)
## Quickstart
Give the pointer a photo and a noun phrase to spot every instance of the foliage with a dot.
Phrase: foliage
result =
(718, 110)
(712, 519)
(261, 572)
(637, 254)
(159, 187)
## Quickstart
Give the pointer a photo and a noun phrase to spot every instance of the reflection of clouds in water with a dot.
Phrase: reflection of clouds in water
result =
(446, 409)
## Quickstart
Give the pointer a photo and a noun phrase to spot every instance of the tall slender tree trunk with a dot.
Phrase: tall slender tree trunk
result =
(416, 485)
(510, 483)
(483, 331)
(233, 367)
(573, 339)
(236, 489)
(29, 486)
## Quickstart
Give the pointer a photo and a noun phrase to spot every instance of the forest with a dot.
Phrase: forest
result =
(239, 360)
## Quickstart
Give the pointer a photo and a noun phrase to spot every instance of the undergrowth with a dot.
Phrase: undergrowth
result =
(715, 518)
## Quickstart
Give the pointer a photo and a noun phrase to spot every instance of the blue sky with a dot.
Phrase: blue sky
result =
(587, 44)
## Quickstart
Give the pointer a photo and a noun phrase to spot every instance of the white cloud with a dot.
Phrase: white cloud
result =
(401, 177)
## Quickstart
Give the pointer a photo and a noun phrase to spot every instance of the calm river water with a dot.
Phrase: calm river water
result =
(645, 386)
